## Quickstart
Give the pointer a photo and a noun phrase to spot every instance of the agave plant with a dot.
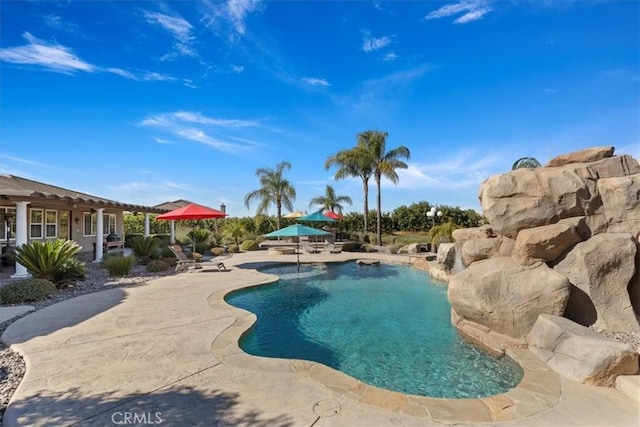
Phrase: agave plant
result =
(143, 247)
(199, 235)
(45, 259)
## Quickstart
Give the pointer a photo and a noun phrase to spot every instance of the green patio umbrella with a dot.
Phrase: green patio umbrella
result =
(297, 230)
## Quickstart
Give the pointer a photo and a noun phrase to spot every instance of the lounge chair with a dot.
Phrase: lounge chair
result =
(183, 260)
(333, 249)
(309, 249)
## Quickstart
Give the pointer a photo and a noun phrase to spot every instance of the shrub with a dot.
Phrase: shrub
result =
(44, 259)
(158, 265)
(195, 255)
(129, 237)
(351, 247)
(202, 247)
(163, 239)
(144, 247)
(366, 238)
(119, 265)
(73, 269)
(26, 291)
(249, 245)
(234, 248)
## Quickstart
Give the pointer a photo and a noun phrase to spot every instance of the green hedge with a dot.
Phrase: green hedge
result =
(29, 290)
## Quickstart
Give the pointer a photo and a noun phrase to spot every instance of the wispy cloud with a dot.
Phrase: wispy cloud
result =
(371, 44)
(181, 30)
(61, 59)
(370, 92)
(193, 126)
(231, 13)
(391, 56)
(57, 23)
(461, 170)
(237, 68)
(470, 10)
(316, 81)
(5, 157)
(50, 56)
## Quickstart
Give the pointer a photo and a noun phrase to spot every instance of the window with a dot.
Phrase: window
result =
(3, 224)
(51, 224)
(108, 224)
(36, 224)
(89, 223)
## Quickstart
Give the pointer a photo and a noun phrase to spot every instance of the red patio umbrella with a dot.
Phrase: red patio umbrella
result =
(192, 211)
(333, 215)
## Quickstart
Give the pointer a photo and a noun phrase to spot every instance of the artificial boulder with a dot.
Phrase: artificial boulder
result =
(621, 198)
(412, 248)
(446, 256)
(506, 297)
(545, 243)
(462, 234)
(579, 353)
(526, 198)
(478, 249)
(602, 267)
(584, 156)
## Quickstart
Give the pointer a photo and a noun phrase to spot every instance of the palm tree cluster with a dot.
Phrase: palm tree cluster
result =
(369, 158)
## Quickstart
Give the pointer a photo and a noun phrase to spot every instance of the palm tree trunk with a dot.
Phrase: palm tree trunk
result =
(365, 188)
(279, 214)
(379, 213)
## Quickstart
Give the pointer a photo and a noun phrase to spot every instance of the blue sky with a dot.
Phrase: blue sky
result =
(145, 102)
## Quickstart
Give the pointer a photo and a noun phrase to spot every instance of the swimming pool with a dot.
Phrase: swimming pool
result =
(386, 325)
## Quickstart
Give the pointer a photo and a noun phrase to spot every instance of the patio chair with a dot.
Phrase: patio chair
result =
(183, 261)
(333, 249)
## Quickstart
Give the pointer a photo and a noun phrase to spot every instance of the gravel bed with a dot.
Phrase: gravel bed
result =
(12, 367)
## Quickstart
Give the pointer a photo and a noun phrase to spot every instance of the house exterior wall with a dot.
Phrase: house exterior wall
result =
(73, 228)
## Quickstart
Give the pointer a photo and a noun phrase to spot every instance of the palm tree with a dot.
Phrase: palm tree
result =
(274, 189)
(354, 162)
(526, 162)
(384, 163)
(235, 232)
(330, 201)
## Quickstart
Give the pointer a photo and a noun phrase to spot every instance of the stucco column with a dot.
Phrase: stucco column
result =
(146, 224)
(172, 233)
(21, 237)
(99, 238)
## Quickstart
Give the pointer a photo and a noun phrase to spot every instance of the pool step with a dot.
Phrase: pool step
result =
(629, 385)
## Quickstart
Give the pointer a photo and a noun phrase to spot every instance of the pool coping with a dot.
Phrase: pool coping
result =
(539, 390)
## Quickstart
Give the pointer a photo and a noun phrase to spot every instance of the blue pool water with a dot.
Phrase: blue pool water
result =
(385, 325)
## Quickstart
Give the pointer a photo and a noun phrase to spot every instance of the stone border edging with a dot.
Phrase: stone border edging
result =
(539, 390)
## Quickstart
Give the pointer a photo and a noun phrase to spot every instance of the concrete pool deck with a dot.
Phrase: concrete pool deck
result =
(167, 350)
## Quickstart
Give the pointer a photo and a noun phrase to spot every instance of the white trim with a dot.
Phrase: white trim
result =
(32, 224)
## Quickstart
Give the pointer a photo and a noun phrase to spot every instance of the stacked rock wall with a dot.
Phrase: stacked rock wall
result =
(563, 242)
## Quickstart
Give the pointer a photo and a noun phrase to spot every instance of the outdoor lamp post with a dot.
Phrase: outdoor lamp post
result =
(433, 214)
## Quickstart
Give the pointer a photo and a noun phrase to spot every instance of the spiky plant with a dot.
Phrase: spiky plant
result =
(143, 247)
(526, 163)
(44, 259)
